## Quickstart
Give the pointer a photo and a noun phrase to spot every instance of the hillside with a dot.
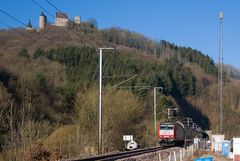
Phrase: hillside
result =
(232, 72)
(49, 90)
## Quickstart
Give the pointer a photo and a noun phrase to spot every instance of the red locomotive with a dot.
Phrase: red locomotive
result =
(175, 133)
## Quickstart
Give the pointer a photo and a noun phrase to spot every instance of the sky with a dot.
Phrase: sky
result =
(189, 23)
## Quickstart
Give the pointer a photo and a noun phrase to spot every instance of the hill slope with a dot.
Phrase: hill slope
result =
(48, 86)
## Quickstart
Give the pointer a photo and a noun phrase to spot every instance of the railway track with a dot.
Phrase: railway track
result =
(120, 155)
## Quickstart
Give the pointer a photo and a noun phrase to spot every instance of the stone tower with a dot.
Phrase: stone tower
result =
(77, 19)
(29, 26)
(42, 21)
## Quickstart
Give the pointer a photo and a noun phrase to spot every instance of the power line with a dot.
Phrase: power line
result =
(14, 18)
(97, 42)
(42, 8)
(121, 82)
(117, 76)
(70, 20)
(50, 39)
(53, 16)
(135, 87)
(20, 33)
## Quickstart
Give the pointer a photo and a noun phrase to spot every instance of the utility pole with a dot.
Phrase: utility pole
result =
(155, 110)
(100, 101)
(221, 71)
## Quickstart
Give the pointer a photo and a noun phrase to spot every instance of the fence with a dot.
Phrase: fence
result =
(172, 154)
(180, 154)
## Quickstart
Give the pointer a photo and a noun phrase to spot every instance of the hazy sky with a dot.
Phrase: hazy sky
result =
(190, 23)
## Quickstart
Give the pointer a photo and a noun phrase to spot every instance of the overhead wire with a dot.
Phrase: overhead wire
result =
(92, 38)
(56, 8)
(116, 76)
(13, 17)
(22, 23)
(114, 86)
(48, 12)
(42, 8)
(20, 33)
(50, 39)
(97, 42)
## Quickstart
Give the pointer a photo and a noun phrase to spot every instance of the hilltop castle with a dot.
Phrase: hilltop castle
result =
(61, 19)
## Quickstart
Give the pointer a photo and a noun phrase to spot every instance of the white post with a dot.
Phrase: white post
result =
(168, 113)
(169, 157)
(159, 157)
(180, 154)
(155, 111)
(100, 105)
(184, 151)
(174, 155)
(155, 114)
(192, 149)
(100, 102)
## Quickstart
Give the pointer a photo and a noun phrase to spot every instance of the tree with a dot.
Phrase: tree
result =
(39, 53)
(93, 23)
(120, 116)
(24, 53)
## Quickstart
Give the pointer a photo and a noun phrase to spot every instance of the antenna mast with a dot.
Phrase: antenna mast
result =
(221, 72)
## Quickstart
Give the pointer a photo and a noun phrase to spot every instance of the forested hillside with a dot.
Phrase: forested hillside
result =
(232, 72)
(49, 91)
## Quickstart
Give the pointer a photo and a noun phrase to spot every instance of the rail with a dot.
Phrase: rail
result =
(120, 155)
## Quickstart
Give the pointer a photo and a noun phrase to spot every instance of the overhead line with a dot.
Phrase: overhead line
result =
(121, 83)
(97, 42)
(12, 17)
(42, 8)
(69, 19)
(147, 87)
(25, 25)
(15, 30)
(53, 16)
(50, 39)
(117, 76)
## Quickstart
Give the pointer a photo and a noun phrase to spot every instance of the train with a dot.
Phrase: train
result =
(177, 133)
